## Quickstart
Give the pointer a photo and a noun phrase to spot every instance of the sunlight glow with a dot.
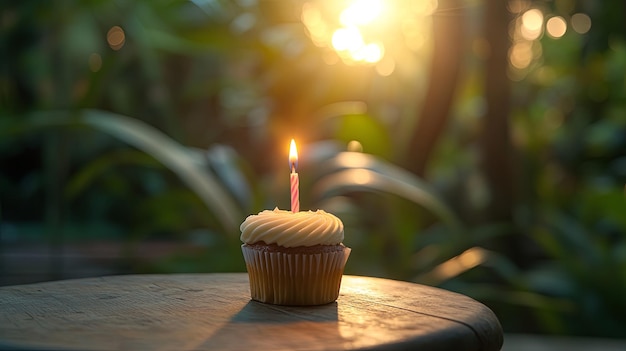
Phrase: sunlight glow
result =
(361, 12)
(556, 27)
(349, 43)
(461, 263)
(349, 39)
(384, 34)
(425, 7)
(371, 53)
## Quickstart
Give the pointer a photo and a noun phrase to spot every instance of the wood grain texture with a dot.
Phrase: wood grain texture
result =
(214, 312)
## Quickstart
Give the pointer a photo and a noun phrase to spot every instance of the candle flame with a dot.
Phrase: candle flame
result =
(293, 156)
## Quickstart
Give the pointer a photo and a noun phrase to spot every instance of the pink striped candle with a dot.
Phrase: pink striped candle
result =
(294, 179)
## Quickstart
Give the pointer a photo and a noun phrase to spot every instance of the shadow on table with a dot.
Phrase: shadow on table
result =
(264, 326)
(257, 312)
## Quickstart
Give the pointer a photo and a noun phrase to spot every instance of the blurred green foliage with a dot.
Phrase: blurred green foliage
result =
(183, 131)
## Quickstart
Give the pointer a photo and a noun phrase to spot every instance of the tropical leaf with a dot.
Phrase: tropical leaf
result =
(189, 164)
(353, 171)
(87, 175)
(223, 160)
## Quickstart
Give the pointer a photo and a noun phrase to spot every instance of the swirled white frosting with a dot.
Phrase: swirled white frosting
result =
(288, 229)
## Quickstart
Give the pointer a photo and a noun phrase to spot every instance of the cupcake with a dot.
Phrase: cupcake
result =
(294, 258)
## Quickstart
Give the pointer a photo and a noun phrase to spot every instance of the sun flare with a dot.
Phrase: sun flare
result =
(368, 32)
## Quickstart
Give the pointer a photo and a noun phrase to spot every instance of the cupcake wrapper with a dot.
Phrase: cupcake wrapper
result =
(294, 279)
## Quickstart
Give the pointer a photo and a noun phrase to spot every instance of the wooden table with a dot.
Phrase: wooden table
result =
(214, 312)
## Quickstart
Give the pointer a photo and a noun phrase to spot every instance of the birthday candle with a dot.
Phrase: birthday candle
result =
(294, 179)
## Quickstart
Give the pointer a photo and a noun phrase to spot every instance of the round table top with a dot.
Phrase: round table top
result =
(214, 312)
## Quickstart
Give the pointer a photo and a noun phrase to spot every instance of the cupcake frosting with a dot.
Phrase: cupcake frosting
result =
(288, 229)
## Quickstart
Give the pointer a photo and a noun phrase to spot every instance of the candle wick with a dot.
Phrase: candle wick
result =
(293, 167)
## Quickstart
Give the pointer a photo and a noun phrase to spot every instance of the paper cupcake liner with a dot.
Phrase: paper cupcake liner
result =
(294, 278)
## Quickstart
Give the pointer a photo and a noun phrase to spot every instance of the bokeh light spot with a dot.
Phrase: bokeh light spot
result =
(95, 62)
(556, 27)
(521, 55)
(116, 37)
(314, 23)
(553, 119)
(581, 23)
(386, 67)
(517, 6)
(545, 75)
(355, 146)
(532, 22)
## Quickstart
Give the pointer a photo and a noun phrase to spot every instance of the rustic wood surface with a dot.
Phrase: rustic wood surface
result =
(214, 311)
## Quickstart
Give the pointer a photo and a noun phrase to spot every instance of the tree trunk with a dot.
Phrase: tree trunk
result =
(495, 141)
(448, 36)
